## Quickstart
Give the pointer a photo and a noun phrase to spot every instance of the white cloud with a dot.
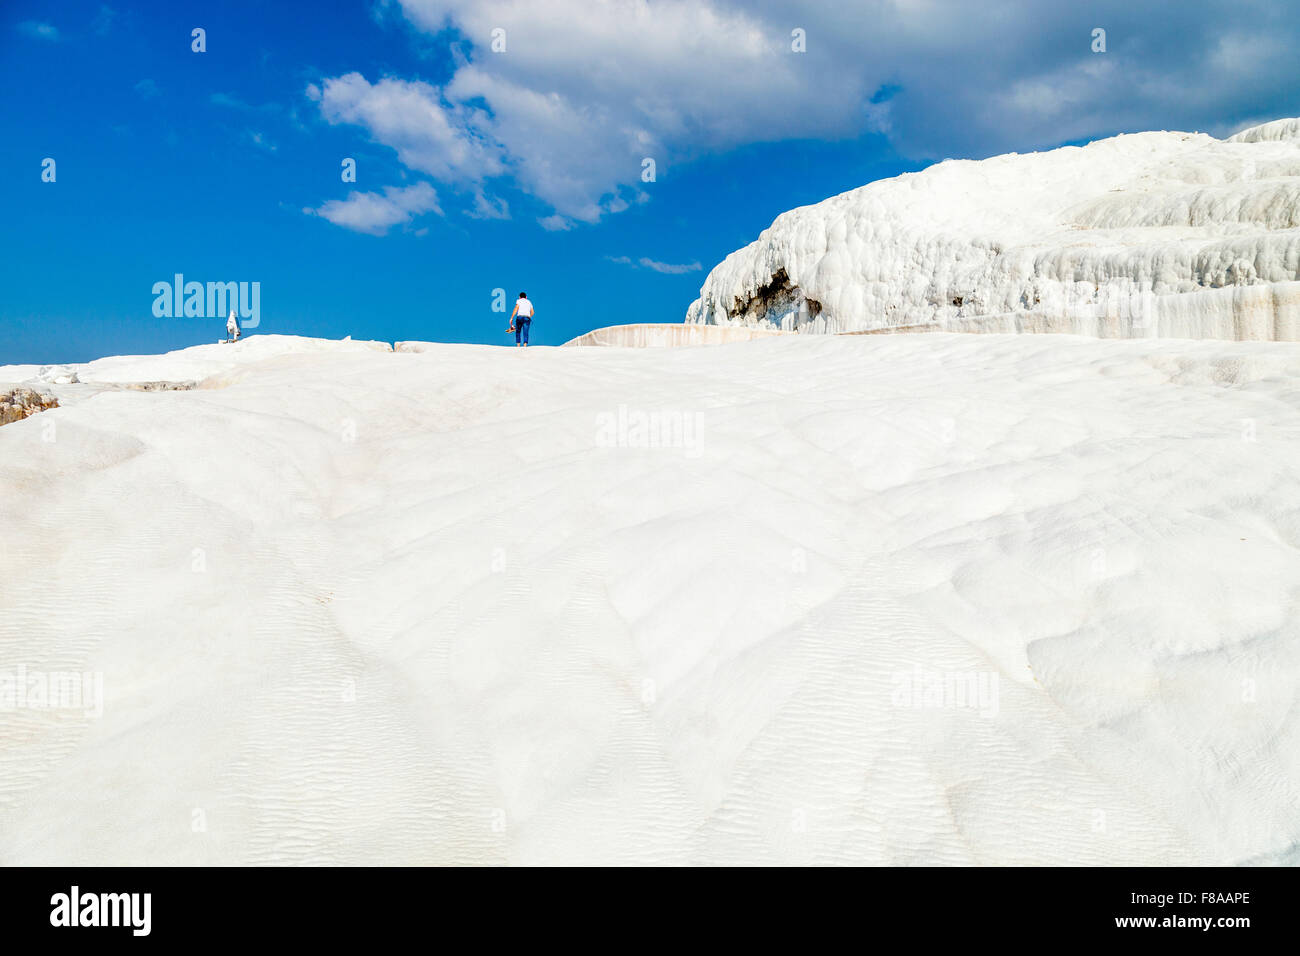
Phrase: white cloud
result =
(587, 89)
(584, 93)
(1242, 52)
(43, 31)
(376, 213)
(667, 268)
(444, 139)
(486, 207)
(235, 103)
(261, 141)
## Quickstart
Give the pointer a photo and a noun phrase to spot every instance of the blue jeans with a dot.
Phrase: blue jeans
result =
(521, 330)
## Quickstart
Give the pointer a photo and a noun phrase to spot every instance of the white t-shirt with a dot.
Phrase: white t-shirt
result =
(525, 309)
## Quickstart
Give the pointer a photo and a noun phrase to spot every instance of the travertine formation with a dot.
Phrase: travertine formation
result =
(898, 599)
(1148, 234)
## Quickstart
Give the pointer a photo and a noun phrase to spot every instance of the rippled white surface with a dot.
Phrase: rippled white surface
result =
(362, 606)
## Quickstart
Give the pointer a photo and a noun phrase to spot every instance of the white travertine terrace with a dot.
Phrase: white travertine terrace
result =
(900, 599)
(1150, 234)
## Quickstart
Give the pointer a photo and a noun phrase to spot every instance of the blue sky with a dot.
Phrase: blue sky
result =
(520, 168)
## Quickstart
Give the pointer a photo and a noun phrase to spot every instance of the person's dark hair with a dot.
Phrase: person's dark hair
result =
(523, 295)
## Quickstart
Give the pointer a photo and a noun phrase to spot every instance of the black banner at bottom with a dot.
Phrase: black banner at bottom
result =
(336, 906)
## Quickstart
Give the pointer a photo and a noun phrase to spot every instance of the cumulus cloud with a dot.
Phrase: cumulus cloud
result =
(582, 96)
(577, 93)
(376, 213)
(431, 134)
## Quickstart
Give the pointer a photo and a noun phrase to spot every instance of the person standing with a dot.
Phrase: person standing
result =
(232, 327)
(520, 319)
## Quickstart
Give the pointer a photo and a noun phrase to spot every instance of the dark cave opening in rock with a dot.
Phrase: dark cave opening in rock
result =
(774, 300)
